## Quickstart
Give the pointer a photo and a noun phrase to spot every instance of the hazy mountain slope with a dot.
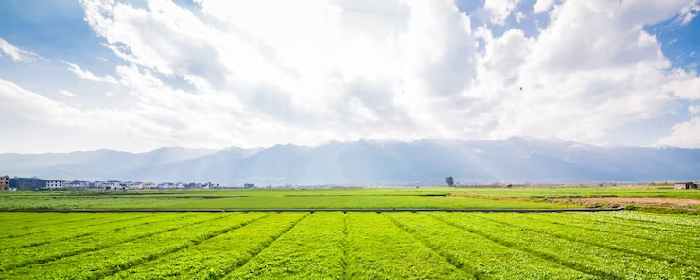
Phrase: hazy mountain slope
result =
(372, 162)
(201, 168)
(95, 165)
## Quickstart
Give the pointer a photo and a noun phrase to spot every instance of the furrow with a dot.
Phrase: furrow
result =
(311, 250)
(651, 249)
(481, 256)
(125, 254)
(218, 256)
(604, 262)
(246, 220)
(19, 258)
(230, 273)
(380, 250)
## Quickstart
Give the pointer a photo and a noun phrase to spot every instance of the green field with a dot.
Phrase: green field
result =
(334, 245)
(389, 198)
(294, 202)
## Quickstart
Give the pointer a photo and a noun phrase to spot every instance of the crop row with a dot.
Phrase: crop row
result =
(37, 222)
(480, 256)
(377, 249)
(433, 245)
(14, 258)
(313, 249)
(107, 261)
(673, 220)
(217, 256)
(672, 253)
(605, 218)
(596, 260)
(586, 222)
(75, 230)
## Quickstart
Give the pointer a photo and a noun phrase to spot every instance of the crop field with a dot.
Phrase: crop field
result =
(388, 198)
(337, 245)
(273, 202)
(534, 191)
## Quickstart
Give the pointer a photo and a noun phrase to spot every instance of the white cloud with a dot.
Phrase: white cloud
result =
(110, 94)
(16, 53)
(591, 71)
(685, 134)
(543, 5)
(500, 9)
(68, 93)
(268, 72)
(689, 13)
(87, 75)
(694, 110)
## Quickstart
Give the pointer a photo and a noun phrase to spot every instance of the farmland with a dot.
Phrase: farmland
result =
(389, 198)
(337, 245)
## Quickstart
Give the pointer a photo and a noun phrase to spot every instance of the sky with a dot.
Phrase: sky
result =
(136, 75)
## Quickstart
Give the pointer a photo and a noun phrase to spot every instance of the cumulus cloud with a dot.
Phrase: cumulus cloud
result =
(543, 5)
(15, 53)
(685, 134)
(87, 75)
(499, 10)
(268, 72)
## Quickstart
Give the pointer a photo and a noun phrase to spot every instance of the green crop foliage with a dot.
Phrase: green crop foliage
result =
(603, 262)
(692, 221)
(313, 249)
(100, 263)
(72, 230)
(377, 249)
(33, 222)
(333, 245)
(480, 256)
(672, 253)
(217, 256)
(274, 202)
(21, 257)
(585, 222)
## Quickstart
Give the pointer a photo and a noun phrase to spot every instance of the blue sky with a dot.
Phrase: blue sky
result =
(143, 74)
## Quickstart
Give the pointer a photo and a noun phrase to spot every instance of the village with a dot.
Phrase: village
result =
(36, 184)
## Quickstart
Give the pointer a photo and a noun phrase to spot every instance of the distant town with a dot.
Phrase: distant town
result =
(37, 184)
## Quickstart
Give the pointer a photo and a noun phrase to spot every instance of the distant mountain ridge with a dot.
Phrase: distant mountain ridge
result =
(375, 162)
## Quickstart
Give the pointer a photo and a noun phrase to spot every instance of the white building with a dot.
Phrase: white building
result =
(136, 186)
(109, 184)
(77, 184)
(54, 184)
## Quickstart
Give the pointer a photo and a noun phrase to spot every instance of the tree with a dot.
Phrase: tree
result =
(450, 182)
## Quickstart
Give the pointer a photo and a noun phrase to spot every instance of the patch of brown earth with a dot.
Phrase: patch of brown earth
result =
(643, 200)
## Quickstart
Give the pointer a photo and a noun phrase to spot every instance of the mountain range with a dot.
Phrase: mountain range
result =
(375, 162)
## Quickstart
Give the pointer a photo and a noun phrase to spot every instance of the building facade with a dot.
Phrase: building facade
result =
(686, 186)
(4, 183)
(54, 184)
(77, 184)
